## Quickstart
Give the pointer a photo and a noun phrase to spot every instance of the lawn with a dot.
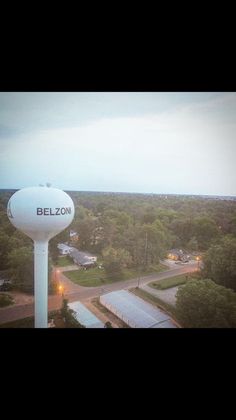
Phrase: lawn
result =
(97, 277)
(5, 300)
(170, 282)
(20, 323)
(64, 261)
(29, 322)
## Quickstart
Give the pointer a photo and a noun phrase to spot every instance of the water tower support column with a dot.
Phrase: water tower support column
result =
(41, 284)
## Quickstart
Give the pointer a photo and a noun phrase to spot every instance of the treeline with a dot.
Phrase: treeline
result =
(127, 220)
(138, 230)
(130, 230)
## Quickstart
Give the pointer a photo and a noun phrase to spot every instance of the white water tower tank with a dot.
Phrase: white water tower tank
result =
(41, 213)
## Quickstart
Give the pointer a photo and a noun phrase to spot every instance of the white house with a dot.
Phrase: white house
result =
(64, 249)
(84, 259)
(74, 237)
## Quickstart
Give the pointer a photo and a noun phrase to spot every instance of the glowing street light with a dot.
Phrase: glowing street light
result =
(198, 260)
(61, 290)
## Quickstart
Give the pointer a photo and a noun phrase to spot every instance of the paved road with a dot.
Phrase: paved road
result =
(74, 292)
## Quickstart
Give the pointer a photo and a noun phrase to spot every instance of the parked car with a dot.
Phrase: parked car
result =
(6, 286)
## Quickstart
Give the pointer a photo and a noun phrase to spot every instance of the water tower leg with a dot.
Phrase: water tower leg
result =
(41, 284)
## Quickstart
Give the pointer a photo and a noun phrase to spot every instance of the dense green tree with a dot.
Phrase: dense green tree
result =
(166, 216)
(156, 240)
(182, 228)
(232, 225)
(5, 247)
(220, 262)
(21, 268)
(115, 260)
(108, 233)
(86, 228)
(206, 231)
(108, 325)
(204, 304)
(192, 245)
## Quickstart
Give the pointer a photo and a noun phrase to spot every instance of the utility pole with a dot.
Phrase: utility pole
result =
(139, 275)
(145, 258)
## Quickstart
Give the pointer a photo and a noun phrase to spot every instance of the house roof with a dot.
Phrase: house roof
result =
(84, 316)
(81, 257)
(73, 233)
(64, 247)
(176, 251)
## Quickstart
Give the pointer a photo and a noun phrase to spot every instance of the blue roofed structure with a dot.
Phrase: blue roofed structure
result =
(84, 316)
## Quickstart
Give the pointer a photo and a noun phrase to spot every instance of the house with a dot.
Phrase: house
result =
(83, 259)
(5, 283)
(64, 249)
(177, 255)
(74, 237)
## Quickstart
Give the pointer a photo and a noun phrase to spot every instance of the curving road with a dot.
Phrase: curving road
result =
(75, 292)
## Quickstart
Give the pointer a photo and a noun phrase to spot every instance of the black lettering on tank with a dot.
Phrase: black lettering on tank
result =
(49, 211)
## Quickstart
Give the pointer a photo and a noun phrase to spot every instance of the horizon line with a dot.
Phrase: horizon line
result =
(133, 192)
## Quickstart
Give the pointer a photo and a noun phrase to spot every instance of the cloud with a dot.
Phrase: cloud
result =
(186, 149)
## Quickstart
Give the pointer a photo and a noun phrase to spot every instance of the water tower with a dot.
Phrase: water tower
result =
(41, 213)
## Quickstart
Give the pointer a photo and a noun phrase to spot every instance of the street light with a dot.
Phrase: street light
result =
(61, 290)
(198, 260)
(56, 277)
(139, 275)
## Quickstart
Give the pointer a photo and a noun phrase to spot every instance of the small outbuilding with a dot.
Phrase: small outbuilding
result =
(84, 316)
(64, 249)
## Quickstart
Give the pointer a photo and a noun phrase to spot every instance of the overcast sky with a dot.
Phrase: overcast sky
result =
(181, 143)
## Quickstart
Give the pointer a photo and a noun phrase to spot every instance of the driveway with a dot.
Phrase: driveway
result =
(168, 295)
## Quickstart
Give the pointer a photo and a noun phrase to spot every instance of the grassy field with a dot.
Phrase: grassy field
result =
(96, 277)
(171, 282)
(154, 300)
(64, 261)
(5, 300)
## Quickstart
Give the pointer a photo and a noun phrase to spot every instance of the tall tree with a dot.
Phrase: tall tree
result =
(115, 260)
(204, 304)
(206, 231)
(220, 262)
(21, 267)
